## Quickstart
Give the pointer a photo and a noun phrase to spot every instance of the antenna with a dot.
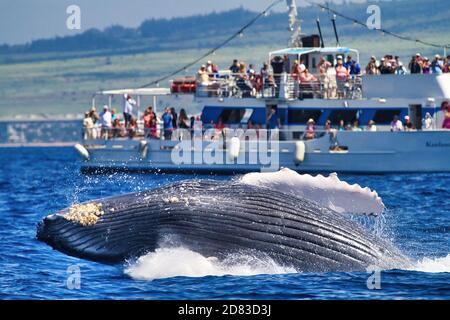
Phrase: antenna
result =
(335, 30)
(322, 44)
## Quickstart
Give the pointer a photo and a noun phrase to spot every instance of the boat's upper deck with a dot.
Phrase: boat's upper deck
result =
(311, 73)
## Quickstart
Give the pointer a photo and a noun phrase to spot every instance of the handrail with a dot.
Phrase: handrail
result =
(281, 86)
(209, 134)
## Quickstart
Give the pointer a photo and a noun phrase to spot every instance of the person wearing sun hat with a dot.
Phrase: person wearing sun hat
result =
(409, 126)
(310, 132)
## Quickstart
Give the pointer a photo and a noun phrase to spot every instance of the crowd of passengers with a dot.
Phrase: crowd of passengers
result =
(334, 80)
(417, 65)
(428, 123)
(109, 124)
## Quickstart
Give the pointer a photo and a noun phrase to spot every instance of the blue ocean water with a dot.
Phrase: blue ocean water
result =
(35, 182)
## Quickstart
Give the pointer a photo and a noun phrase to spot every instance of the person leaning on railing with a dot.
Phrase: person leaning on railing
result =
(148, 115)
(118, 129)
(128, 104)
(310, 132)
(243, 82)
(446, 122)
(202, 79)
(372, 68)
(342, 75)
(88, 126)
(132, 128)
(323, 67)
(277, 64)
(105, 122)
(296, 71)
(168, 124)
(309, 84)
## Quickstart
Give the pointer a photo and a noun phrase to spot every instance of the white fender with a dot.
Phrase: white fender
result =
(234, 148)
(143, 148)
(299, 152)
(82, 151)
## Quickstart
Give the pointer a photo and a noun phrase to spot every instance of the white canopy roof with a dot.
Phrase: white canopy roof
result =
(137, 92)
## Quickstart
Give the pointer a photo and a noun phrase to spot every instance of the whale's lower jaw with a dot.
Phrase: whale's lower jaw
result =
(215, 219)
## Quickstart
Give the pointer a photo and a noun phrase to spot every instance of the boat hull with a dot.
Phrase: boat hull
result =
(360, 152)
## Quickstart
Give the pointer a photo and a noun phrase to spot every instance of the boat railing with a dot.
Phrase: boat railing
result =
(211, 133)
(276, 86)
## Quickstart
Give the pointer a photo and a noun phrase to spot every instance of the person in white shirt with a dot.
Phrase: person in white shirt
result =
(128, 104)
(400, 70)
(105, 121)
(372, 126)
(428, 122)
(396, 124)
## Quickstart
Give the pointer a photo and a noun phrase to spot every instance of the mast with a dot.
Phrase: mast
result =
(294, 25)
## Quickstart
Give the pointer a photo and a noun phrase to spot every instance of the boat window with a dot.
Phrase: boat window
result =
(314, 63)
(302, 115)
(330, 58)
(304, 58)
(347, 115)
(230, 116)
(386, 115)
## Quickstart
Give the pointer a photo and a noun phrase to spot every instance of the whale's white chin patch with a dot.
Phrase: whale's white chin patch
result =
(328, 191)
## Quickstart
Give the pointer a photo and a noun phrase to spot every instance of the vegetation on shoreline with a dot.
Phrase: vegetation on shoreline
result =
(58, 76)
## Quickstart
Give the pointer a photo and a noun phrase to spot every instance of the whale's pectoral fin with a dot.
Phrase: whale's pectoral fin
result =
(328, 191)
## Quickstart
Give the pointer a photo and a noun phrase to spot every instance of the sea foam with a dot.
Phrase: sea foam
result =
(173, 262)
(432, 265)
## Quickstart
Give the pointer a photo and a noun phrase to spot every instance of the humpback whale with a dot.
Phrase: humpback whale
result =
(268, 213)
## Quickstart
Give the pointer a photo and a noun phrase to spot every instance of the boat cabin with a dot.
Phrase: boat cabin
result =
(310, 57)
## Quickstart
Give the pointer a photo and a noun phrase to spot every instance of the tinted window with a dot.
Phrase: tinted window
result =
(301, 116)
(385, 116)
(305, 59)
(347, 115)
(232, 115)
(330, 58)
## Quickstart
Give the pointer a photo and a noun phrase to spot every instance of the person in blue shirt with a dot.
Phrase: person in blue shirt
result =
(273, 124)
(168, 123)
(352, 66)
(273, 120)
(348, 62)
(437, 66)
(235, 67)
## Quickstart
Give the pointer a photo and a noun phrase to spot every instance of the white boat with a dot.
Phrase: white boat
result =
(244, 147)
(364, 151)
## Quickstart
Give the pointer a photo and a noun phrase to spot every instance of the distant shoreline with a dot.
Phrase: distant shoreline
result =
(38, 145)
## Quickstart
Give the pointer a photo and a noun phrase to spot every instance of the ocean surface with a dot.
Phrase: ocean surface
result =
(35, 182)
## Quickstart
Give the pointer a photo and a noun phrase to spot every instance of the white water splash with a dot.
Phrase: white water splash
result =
(173, 262)
(432, 265)
(328, 191)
